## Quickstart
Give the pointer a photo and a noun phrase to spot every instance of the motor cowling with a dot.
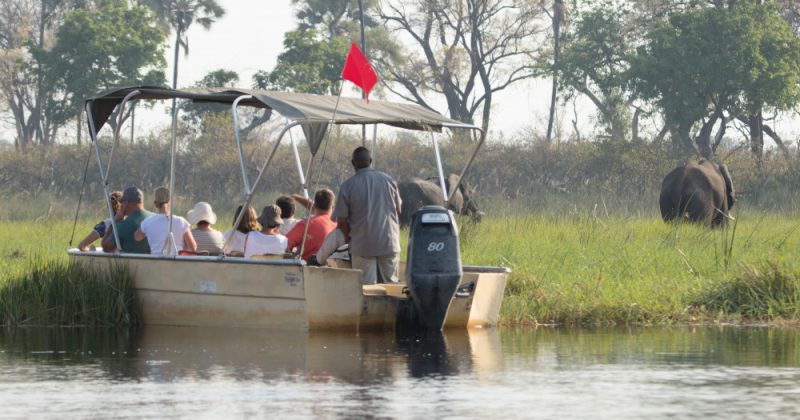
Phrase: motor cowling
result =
(433, 268)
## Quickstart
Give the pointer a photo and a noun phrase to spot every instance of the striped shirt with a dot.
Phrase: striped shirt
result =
(208, 240)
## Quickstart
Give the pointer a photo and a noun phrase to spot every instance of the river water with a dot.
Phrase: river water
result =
(158, 372)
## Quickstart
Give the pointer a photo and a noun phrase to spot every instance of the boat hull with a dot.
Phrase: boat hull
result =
(285, 294)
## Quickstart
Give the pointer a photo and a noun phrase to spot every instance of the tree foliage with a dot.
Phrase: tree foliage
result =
(314, 53)
(307, 64)
(469, 50)
(180, 15)
(595, 61)
(96, 49)
(705, 63)
(194, 113)
(26, 25)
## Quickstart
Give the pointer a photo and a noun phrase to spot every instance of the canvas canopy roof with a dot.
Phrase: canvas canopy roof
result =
(300, 107)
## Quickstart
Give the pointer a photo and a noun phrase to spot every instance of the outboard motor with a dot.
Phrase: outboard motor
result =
(433, 269)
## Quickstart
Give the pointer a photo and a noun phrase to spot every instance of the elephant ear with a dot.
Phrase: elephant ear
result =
(729, 191)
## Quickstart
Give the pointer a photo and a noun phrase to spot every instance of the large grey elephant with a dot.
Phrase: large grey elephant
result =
(700, 192)
(424, 192)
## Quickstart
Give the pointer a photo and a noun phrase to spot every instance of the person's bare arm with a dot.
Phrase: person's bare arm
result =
(139, 235)
(84, 244)
(305, 202)
(342, 225)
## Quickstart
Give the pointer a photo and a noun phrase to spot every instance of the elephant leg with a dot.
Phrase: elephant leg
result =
(720, 215)
(698, 208)
(669, 210)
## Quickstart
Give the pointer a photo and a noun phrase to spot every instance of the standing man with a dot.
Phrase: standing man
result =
(133, 213)
(368, 214)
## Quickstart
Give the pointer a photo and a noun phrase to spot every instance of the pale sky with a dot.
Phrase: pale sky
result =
(250, 36)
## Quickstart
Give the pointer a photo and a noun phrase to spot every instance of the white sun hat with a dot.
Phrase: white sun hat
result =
(201, 212)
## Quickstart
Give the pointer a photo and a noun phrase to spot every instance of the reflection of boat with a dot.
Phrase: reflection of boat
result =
(286, 293)
(170, 352)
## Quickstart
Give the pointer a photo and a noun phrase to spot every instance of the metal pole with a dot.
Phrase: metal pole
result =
(364, 50)
(171, 238)
(471, 159)
(249, 195)
(119, 129)
(374, 144)
(299, 164)
(439, 166)
(239, 141)
(93, 134)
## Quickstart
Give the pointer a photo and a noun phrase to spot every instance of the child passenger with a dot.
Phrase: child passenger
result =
(239, 233)
(268, 241)
(99, 230)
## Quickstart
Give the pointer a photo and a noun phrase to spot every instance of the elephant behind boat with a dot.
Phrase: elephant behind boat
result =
(424, 192)
(700, 192)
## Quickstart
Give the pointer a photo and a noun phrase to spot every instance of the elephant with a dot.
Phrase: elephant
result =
(424, 192)
(700, 192)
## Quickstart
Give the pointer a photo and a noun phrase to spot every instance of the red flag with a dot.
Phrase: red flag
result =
(358, 70)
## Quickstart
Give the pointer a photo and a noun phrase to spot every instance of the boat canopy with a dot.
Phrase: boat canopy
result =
(303, 108)
(313, 113)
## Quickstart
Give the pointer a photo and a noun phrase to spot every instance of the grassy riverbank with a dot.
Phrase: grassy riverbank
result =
(567, 269)
(38, 285)
(581, 269)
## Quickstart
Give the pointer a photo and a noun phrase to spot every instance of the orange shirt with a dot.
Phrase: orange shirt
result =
(318, 228)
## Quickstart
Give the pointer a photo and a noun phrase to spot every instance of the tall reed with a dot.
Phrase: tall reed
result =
(52, 292)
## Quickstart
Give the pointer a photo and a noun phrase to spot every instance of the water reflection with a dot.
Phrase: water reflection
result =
(200, 372)
(160, 353)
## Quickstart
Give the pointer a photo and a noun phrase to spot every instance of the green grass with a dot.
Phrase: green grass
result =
(39, 286)
(582, 269)
(574, 268)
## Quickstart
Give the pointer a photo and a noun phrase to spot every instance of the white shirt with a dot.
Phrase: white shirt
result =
(287, 225)
(156, 228)
(261, 244)
(237, 243)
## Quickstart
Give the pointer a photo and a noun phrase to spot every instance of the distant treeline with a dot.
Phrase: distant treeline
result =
(526, 174)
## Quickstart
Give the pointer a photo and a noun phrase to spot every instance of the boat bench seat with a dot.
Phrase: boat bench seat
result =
(394, 290)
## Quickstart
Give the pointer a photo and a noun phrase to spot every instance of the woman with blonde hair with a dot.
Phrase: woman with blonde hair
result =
(99, 230)
(249, 223)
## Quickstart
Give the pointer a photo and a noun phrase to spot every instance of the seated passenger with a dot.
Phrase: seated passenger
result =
(268, 241)
(99, 230)
(334, 247)
(208, 239)
(319, 226)
(286, 203)
(238, 234)
(156, 228)
(133, 213)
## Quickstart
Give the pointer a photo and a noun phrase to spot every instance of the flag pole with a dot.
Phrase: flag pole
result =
(325, 140)
(364, 50)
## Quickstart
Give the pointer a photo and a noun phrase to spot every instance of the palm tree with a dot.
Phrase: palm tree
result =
(179, 15)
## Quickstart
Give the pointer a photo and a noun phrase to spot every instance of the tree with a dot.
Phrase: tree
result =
(194, 112)
(470, 50)
(27, 25)
(558, 17)
(314, 53)
(594, 62)
(97, 49)
(307, 64)
(180, 15)
(705, 63)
